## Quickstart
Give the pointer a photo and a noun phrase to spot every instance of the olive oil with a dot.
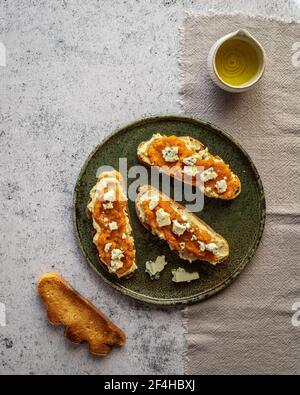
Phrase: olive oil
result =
(237, 62)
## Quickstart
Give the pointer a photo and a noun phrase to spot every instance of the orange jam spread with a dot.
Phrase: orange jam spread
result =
(191, 246)
(116, 214)
(222, 169)
(157, 146)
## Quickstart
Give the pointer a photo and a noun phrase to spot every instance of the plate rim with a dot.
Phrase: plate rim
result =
(187, 299)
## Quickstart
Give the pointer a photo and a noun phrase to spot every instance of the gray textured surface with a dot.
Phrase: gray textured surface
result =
(74, 72)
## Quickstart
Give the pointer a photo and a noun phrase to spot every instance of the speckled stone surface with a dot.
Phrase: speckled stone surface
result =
(75, 71)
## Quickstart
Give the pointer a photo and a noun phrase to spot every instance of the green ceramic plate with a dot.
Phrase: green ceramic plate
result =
(240, 221)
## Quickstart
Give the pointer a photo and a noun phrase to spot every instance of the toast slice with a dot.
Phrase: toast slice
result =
(83, 321)
(185, 233)
(108, 208)
(189, 161)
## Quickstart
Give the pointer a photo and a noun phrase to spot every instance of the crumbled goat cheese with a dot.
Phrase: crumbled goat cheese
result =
(182, 246)
(190, 171)
(110, 196)
(107, 247)
(153, 202)
(193, 238)
(124, 236)
(190, 161)
(163, 218)
(180, 275)
(113, 225)
(102, 184)
(154, 268)
(108, 205)
(221, 186)
(184, 217)
(208, 174)
(117, 254)
(178, 228)
(116, 259)
(212, 247)
(202, 246)
(170, 154)
(204, 154)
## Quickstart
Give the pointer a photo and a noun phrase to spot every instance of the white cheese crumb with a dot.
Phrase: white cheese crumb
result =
(107, 247)
(208, 189)
(163, 218)
(105, 219)
(184, 217)
(170, 154)
(115, 265)
(221, 186)
(116, 260)
(182, 246)
(154, 268)
(208, 174)
(180, 276)
(110, 196)
(103, 183)
(124, 236)
(116, 254)
(153, 202)
(190, 171)
(113, 225)
(178, 228)
(193, 238)
(108, 205)
(190, 161)
(202, 246)
(212, 247)
(204, 154)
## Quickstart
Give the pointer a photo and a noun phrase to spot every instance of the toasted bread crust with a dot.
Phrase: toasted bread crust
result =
(220, 239)
(198, 145)
(83, 321)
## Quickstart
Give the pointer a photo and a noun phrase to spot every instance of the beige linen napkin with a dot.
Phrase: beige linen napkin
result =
(248, 327)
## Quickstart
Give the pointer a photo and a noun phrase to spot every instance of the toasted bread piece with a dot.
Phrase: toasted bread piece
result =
(108, 208)
(185, 233)
(217, 180)
(83, 321)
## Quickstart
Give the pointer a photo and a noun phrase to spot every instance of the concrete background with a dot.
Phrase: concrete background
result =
(75, 71)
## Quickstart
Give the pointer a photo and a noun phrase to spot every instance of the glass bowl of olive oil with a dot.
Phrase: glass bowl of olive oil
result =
(237, 61)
